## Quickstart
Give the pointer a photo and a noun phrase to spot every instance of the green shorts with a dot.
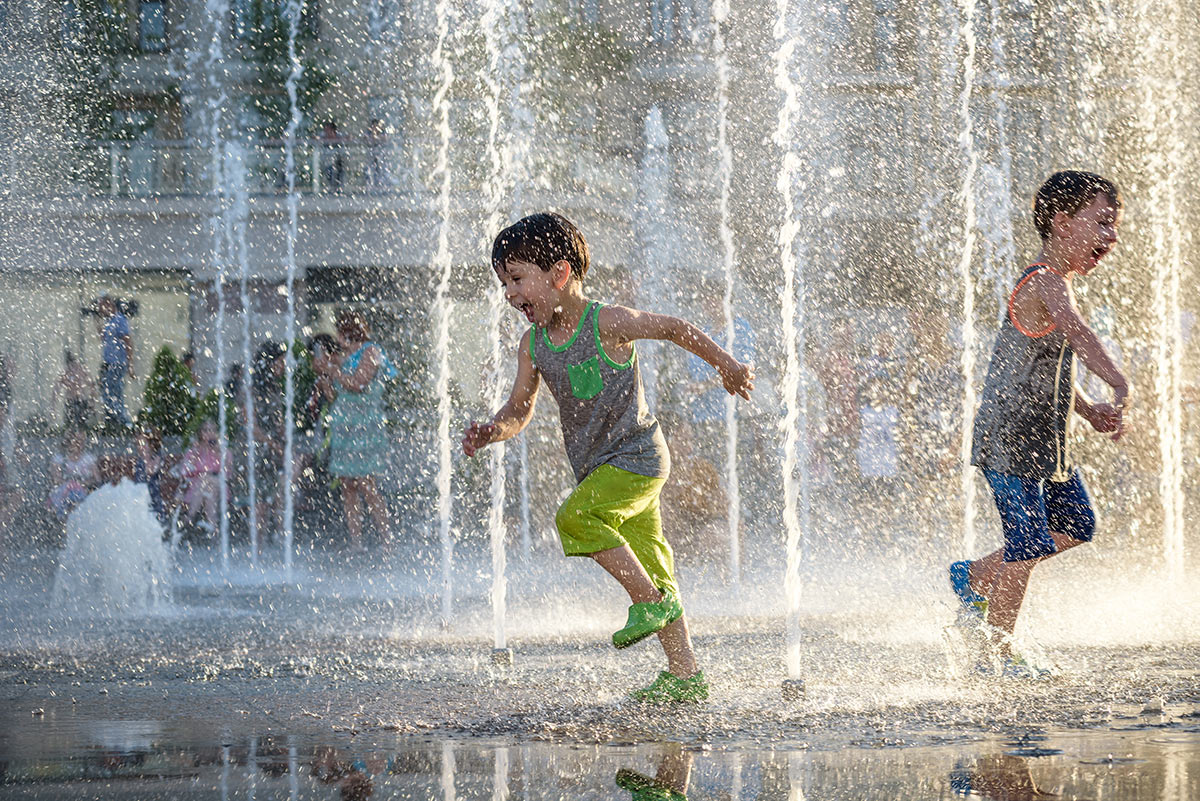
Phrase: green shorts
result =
(613, 507)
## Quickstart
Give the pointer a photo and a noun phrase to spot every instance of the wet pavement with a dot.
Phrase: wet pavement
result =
(344, 679)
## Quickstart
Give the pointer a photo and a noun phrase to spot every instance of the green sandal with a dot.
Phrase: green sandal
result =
(649, 618)
(670, 689)
(645, 788)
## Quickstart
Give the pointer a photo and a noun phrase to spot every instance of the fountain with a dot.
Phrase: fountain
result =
(219, 219)
(292, 12)
(720, 15)
(823, 222)
(443, 267)
(500, 77)
(113, 562)
(967, 276)
(791, 296)
(656, 236)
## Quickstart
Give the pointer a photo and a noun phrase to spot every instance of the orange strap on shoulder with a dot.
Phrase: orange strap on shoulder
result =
(1012, 298)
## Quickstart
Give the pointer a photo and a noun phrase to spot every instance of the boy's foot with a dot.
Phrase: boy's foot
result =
(645, 788)
(1014, 666)
(649, 618)
(1017, 667)
(670, 689)
(974, 605)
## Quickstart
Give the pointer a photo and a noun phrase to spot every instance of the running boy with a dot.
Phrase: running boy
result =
(1020, 437)
(584, 351)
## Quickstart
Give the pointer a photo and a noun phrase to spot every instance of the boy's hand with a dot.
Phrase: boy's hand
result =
(1108, 418)
(739, 380)
(477, 435)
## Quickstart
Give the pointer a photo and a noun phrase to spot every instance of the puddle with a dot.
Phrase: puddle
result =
(152, 760)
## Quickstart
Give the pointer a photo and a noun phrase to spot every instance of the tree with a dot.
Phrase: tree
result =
(168, 401)
(263, 26)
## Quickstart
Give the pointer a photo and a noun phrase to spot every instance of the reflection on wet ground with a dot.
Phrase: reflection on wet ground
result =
(138, 760)
(343, 684)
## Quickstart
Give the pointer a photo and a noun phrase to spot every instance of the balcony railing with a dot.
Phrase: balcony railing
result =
(171, 168)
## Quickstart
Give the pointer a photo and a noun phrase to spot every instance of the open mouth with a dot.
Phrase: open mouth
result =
(527, 310)
(1099, 252)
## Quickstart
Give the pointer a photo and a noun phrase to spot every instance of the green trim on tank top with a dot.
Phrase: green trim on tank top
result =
(571, 341)
(600, 345)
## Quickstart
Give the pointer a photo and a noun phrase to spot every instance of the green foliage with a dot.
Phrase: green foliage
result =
(94, 37)
(208, 408)
(265, 38)
(304, 380)
(168, 402)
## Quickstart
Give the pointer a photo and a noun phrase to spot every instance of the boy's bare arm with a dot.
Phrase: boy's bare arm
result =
(516, 412)
(1052, 290)
(621, 325)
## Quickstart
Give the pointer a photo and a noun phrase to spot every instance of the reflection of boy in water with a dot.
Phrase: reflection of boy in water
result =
(1001, 776)
(1020, 437)
(670, 781)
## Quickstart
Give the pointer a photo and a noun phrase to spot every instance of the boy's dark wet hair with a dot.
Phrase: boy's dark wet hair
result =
(542, 239)
(1069, 191)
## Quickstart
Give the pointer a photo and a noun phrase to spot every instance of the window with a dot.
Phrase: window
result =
(74, 29)
(383, 20)
(586, 11)
(256, 16)
(152, 26)
(887, 36)
(673, 21)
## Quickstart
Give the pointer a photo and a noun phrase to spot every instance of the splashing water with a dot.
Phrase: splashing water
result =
(720, 14)
(792, 292)
(967, 363)
(442, 266)
(498, 76)
(296, 71)
(114, 561)
(217, 13)
(241, 213)
(1160, 74)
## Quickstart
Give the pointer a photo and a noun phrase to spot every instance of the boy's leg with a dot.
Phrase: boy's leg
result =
(653, 552)
(1032, 513)
(594, 521)
(621, 564)
(1004, 575)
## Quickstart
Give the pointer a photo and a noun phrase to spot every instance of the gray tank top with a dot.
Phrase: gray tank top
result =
(1021, 426)
(601, 404)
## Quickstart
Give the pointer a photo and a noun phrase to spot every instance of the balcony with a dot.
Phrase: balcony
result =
(148, 168)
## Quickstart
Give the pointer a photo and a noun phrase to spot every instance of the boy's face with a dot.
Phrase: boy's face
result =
(533, 291)
(1088, 235)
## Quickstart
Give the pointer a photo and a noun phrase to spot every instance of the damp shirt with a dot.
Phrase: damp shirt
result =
(1021, 426)
(601, 404)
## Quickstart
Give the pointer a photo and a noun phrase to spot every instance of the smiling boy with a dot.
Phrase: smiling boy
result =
(1020, 436)
(584, 351)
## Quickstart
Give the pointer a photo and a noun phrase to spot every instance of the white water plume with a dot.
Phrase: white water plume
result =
(967, 362)
(113, 561)
(293, 10)
(218, 12)
(720, 15)
(1160, 75)
(500, 74)
(241, 215)
(792, 296)
(442, 266)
